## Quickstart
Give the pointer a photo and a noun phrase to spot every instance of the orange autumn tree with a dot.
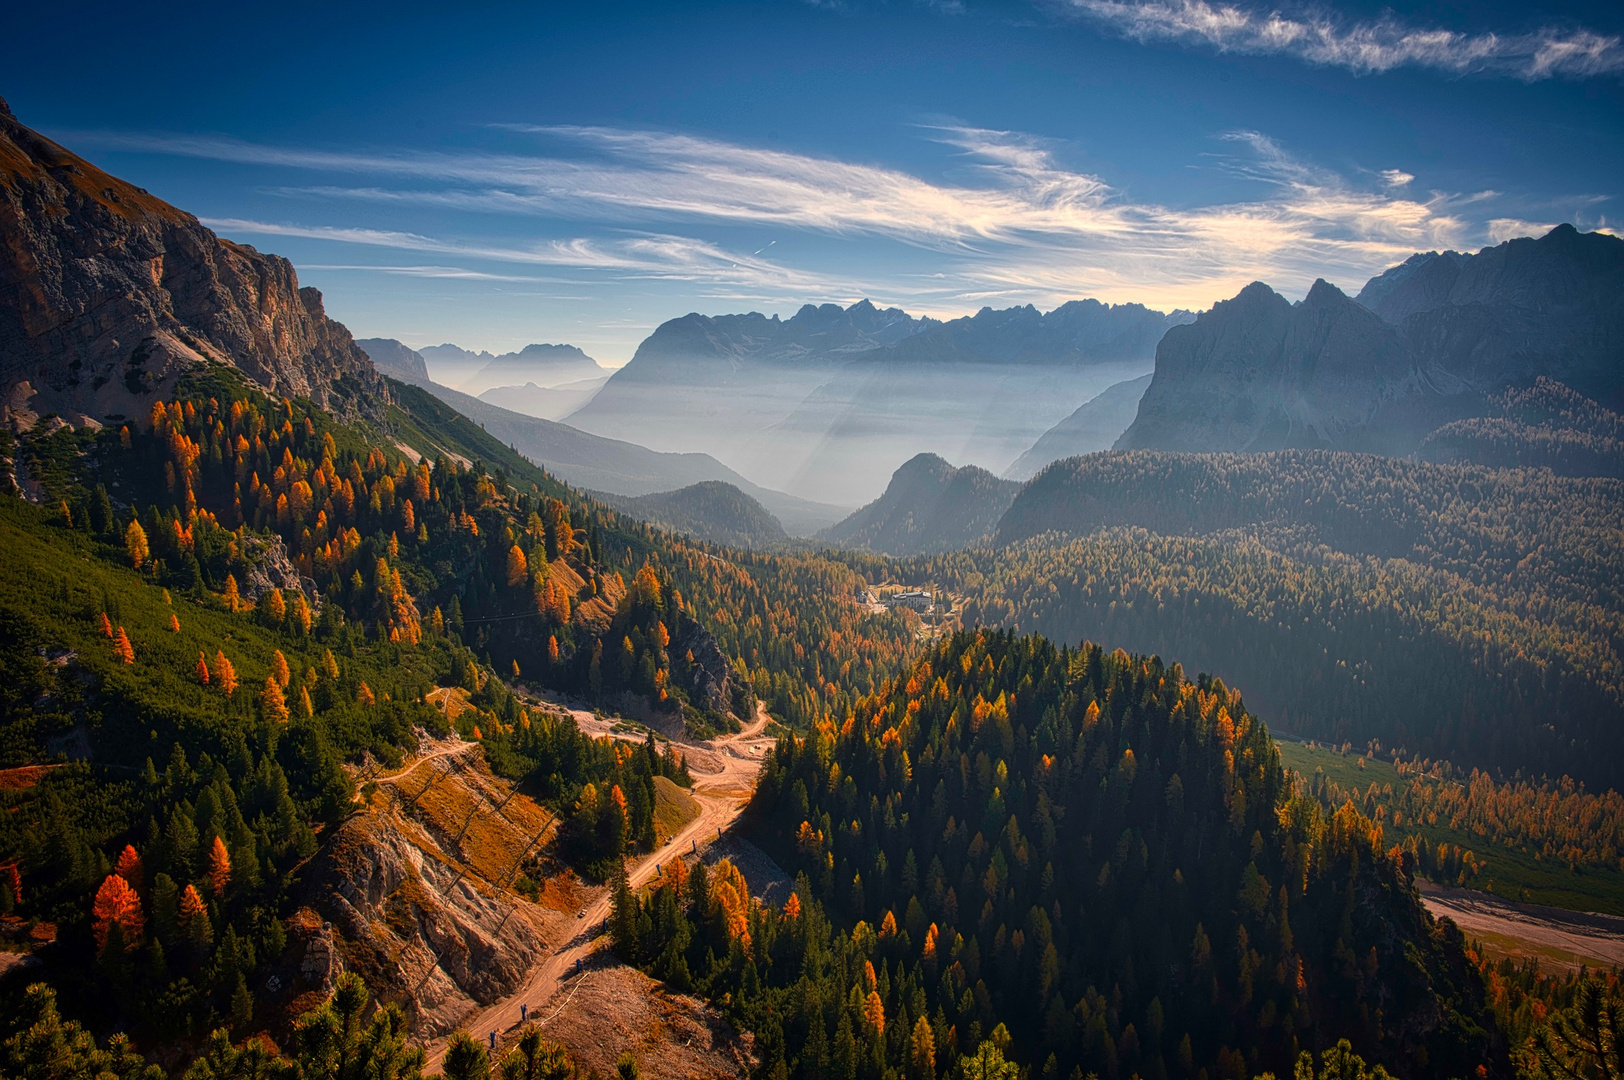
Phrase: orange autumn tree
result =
(219, 868)
(279, 669)
(225, 674)
(232, 598)
(116, 905)
(518, 569)
(174, 624)
(202, 669)
(122, 647)
(128, 866)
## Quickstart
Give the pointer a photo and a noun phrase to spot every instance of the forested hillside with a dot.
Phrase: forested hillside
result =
(1076, 858)
(1431, 607)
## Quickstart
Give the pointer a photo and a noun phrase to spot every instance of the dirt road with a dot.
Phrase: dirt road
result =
(724, 772)
(1562, 940)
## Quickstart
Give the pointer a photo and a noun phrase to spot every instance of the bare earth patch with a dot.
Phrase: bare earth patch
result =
(1561, 940)
(613, 1009)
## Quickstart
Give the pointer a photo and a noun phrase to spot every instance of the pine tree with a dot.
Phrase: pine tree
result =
(465, 1059)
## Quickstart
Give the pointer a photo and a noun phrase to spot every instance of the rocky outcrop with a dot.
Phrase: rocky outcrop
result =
(929, 506)
(108, 295)
(415, 890)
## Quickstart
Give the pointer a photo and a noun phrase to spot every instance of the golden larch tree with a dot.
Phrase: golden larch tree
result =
(122, 647)
(232, 598)
(225, 674)
(518, 569)
(135, 544)
(279, 669)
(273, 705)
(202, 669)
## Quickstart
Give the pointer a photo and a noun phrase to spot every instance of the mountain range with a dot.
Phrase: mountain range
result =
(611, 466)
(477, 372)
(827, 403)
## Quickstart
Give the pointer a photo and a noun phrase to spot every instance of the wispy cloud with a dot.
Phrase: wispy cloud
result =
(1017, 225)
(1320, 36)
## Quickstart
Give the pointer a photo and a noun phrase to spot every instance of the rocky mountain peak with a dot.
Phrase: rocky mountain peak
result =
(108, 295)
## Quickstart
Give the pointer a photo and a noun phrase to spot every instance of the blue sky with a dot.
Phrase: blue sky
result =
(499, 174)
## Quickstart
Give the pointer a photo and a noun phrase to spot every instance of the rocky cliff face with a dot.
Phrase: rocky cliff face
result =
(108, 294)
(396, 360)
(1260, 373)
(1430, 341)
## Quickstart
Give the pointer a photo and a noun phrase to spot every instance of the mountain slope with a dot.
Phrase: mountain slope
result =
(1105, 857)
(928, 506)
(476, 372)
(623, 468)
(713, 511)
(1548, 425)
(1095, 426)
(108, 294)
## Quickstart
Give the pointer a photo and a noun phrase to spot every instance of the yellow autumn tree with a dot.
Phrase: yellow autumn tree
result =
(232, 598)
(874, 1013)
(304, 702)
(273, 608)
(364, 695)
(329, 666)
(225, 674)
(301, 613)
(174, 624)
(730, 893)
(279, 669)
(518, 569)
(219, 868)
(135, 543)
(272, 704)
(922, 1048)
(116, 904)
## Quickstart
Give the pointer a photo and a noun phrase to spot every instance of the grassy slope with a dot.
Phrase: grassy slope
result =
(1512, 873)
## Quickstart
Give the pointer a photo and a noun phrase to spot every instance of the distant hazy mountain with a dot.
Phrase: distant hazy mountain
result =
(396, 360)
(1430, 341)
(1095, 426)
(547, 402)
(818, 403)
(624, 468)
(713, 511)
(929, 506)
(477, 372)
